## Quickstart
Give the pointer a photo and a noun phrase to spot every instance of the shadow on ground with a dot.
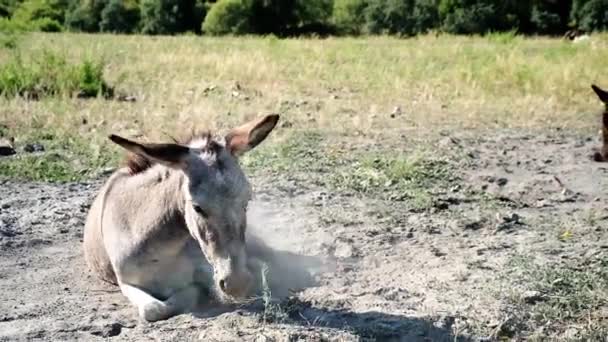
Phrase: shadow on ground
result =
(367, 325)
(293, 273)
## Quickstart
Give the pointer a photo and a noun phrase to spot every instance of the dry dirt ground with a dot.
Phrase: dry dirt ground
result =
(510, 244)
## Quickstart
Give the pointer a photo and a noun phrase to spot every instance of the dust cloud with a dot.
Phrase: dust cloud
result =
(278, 238)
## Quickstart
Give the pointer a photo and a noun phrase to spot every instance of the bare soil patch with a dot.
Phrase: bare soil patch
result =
(513, 246)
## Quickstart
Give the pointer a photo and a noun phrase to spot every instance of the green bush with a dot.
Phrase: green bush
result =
(473, 16)
(228, 17)
(119, 16)
(550, 17)
(12, 26)
(400, 17)
(7, 7)
(84, 15)
(171, 16)
(91, 82)
(590, 15)
(32, 10)
(348, 15)
(46, 25)
(49, 75)
(288, 17)
(390, 16)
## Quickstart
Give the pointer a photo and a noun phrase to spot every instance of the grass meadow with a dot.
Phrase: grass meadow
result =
(346, 86)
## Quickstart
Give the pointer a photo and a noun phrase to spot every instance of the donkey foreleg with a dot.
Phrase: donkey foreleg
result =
(151, 309)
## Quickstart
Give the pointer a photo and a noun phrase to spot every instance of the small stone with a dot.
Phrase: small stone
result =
(502, 181)
(532, 297)
(127, 98)
(6, 147)
(513, 218)
(107, 171)
(344, 250)
(35, 147)
(473, 225)
(571, 333)
(108, 330)
(262, 338)
(286, 124)
(396, 111)
(437, 252)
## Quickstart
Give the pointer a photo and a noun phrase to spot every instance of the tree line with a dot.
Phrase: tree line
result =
(299, 17)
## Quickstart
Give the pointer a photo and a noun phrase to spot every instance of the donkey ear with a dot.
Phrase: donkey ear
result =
(602, 94)
(244, 138)
(172, 155)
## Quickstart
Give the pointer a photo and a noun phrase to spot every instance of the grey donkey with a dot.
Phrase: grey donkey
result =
(176, 217)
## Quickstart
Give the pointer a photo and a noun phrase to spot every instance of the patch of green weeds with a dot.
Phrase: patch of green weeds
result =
(502, 37)
(401, 177)
(49, 74)
(8, 40)
(65, 158)
(379, 173)
(572, 296)
(301, 150)
(273, 312)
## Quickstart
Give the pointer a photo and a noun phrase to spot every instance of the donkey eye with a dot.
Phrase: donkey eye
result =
(210, 235)
(200, 211)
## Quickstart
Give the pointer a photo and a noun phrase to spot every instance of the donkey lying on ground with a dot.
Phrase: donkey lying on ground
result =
(602, 154)
(174, 218)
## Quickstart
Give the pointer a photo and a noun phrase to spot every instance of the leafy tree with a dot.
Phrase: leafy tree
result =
(348, 15)
(31, 10)
(481, 16)
(7, 7)
(171, 16)
(590, 15)
(550, 16)
(121, 16)
(84, 15)
(283, 17)
(46, 25)
(228, 17)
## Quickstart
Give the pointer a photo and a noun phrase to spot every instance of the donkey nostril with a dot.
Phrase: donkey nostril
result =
(223, 285)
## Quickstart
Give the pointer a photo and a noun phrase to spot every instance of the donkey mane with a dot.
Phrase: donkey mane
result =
(137, 164)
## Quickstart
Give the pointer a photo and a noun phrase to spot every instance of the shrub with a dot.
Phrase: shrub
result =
(84, 15)
(12, 26)
(7, 7)
(171, 16)
(400, 17)
(8, 40)
(91, 82)
(286, 17)
(32, 10)
(550, 17)
(590, 15)
(348, 15)
(119, 16)
(46, 25)
(472, 16)
(228, 17)
(49, 75)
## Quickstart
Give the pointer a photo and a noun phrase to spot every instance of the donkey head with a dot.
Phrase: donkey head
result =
(216, 193)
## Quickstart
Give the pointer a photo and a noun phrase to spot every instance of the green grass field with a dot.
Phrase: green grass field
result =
(348, 86)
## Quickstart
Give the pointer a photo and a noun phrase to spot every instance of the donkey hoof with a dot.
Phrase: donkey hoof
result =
(153, 312)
